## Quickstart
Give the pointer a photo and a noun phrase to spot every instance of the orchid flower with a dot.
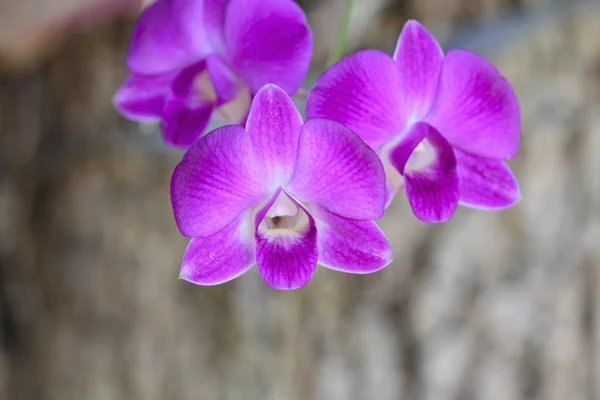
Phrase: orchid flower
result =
(191, 59)
(443, 125)
(281, 194)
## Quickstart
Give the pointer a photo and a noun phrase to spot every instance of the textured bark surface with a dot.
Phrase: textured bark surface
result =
(494, 306)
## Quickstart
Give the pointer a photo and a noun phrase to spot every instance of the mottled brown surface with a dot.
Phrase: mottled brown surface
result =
(494, 306)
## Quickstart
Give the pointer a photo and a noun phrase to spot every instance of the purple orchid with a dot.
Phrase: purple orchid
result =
(280, 194)
(192, 58)
(443, 125)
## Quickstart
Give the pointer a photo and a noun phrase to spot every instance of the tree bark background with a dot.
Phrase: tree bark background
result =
(488, 306)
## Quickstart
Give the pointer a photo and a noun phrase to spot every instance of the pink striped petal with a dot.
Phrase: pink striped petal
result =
(222, 256)
(215, 181)
(476, 109)
(286, 257)
(142, 98)
(485, 183)
(338, 171)
(268, 41)
(419, 58)
(362, 92)
(274, 126)
(431, 180)
(357, 247)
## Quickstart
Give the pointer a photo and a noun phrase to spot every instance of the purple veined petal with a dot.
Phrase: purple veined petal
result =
(419, 58)
(338, 171)
(142, 98)
(222, 256)
(268, 41)
(215, 181)
(274, 126)
(485, 183)
(169, 35)
(430, 175)
(362, 92)
(286, 243)
(475, 107)
(357, 247)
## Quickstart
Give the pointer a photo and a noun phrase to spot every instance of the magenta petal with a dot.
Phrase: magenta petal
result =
(268, 41)
(338, 171)
(433, 190)
(182, 125)
(363, 92)
(215, 182)
(485, 183)
(286, 258)
(221, 257)
(142, 98)
(222, 79)
(168, 35)
(476, 109)
(346, 245)
(274, 126)
(419, 58)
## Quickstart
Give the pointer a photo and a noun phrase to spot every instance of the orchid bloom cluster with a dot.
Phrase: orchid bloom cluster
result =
(284, 194)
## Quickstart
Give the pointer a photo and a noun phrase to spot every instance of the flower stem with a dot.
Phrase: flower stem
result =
(338, 49)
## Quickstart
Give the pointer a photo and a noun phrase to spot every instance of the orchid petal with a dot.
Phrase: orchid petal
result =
(142, 98)
(346, 245)
(182, 125)
(338, 171)
(432, 189)
(222, 256)
(419, 58)
(268, 41)
(215, 182)
(485, 183)
(169, 35)
(186, 113)
(274, 126)
(362, 92)
(286, 258)
(476, 109)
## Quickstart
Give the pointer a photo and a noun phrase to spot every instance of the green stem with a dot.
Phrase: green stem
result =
(338, 49)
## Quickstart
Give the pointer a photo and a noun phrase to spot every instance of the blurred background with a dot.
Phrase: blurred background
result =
(494, 306)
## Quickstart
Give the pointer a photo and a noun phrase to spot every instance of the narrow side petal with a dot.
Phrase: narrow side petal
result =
(169, 35)
(274, 126)
(485, 183)
(476, 109)
(357, 247)
(362, 92)
(142, 98)
(419, 58)
(286, 258)
(433, 189)
(338, 171)
(215, 181)
(268, 41)
(221, 257)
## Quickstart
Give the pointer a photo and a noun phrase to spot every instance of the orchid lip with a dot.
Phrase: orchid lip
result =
(284, 216)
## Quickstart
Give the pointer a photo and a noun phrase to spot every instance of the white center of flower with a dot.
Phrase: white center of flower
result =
(421, 157)
(283, 215)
